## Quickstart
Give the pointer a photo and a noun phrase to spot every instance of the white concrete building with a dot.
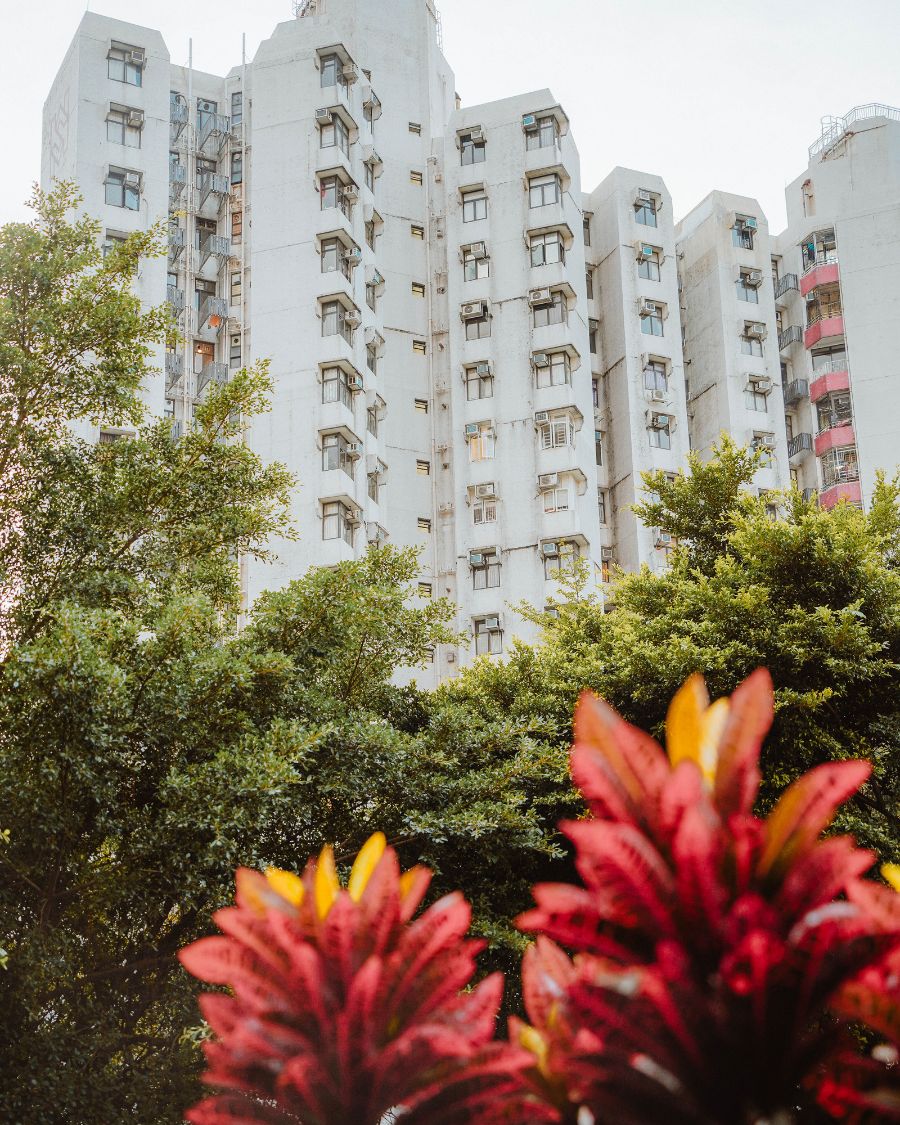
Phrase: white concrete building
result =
(471, 353)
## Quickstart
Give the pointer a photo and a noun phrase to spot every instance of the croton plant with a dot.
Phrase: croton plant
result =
(713, 967)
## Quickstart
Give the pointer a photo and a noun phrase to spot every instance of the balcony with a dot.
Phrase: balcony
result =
(834, 377)
(213, 313)
(212, 373)
(213, 133)
(795, 391)
(175, 297)
(819, 272)
(177, 180)
(835, 438)
(833, 494)
(176, 243)
(786, 283)
(823, 328)
(799, 445)
(792, 335)
(178, 119)
(212, 184)
(214, 246)
(174, 370)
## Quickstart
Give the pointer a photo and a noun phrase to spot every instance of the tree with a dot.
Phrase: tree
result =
(814, 596)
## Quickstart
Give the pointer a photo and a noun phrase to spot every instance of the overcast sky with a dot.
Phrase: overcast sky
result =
(708, 93)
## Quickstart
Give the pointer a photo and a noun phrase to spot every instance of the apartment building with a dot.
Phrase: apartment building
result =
(471, 353)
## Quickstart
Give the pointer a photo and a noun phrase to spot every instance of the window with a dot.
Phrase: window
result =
(332, 256)
(481, 439)
(556, 500)
(742, 235)
(553, 369)
(840, 466)
(416, 231)
(124, 126)
(421, 404)
(335, 134)
(336, 386)
(655, 375)
(559, 557)
(485, 571)
(203, 228)
(370, 233)
(823, 302)
(660, 430)
(595, 393)
(334, 321)
(418, 289)
(372, 358)
(423, 523)
(485, 511)
(418, 346)
(598, 447)
(651, 318)
(649, 262)
(594, 336)
(558, 431)
(747, 287)
(235, 288)
(543, 134)
(553, 312)
(602, 504)
(751, 345)
(476, 263)
(479, 327)
(479, 381)
(488, 636)
(415, 177)
(415, 127)
(472, 149)
(544, 190)
(113, 239)
(237, 168)
(474, 205)
(645, 209)
(372, 420)
(331, 193)
(206, 109)
(237, 107)
(834, 410)
(337, 521)
(237, 226)
(331, 70)
(203, 167)
(547, 249)
(371, 295)
(202, 289)
(423, 468)
(755, 399)
(589, 283)
(234, 351)
(338, 453)
(586, 229)
(204, 354)
(369, 175)
(372, 486)
(125, 64)
(123, 188)
(829, 359)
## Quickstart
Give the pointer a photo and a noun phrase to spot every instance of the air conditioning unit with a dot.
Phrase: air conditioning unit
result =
(540, 359)
(659, 421)
(476, 133)
(373, 532)
(353, 255)
(472, 310)
(482, 368)
(761, 383)
(763, 441)
(644, 196)
(485, 491)
(351, 519)
(323, 116)
(349, 72)
(548, 480)
(750, 223)
(492, 622)
(471, 429)
(351, 195)
(138, 56)
(606, 554)
(354, 449)
(478, 250)
(355, 383)
(542, 417)
(540, 297)
(133, 178)
(476, 558)
(755, 329)
(661, 538)
(351, 317)
(529, 121)
(657, 396)
(648, 308)
(753, 277)
(136, 118)
(549, 550)
(643, 250)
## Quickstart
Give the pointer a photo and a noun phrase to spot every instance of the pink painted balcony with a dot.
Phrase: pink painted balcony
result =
(849, 491)
(823, 329)
(825, 274)
(835, 438)
(827, 382)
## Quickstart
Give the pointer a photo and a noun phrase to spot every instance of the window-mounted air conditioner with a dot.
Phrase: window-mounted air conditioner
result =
(138, 56)
(753, 277)
(755, 329)
(540, 297)
(354, 449)
(540, 359)
(644, 251)
(549, 550)
(492, 622)
(323, 116)
(542, 417)
(657, 396)
(606, 554)
(351, 317)
(648, 308)
(353, 255)
(548, 480)
(485, 491)
(478, 250)
(476, 133)
(133, 178)
(761, 383)
(763, 441)
(644, 196)
(529, 121)
(482, 368)
(349, 72)
(136, 118)
(659, 421)
(350, 194)
(355, 383)
(471, 429)
(472, 310)
(750, 223)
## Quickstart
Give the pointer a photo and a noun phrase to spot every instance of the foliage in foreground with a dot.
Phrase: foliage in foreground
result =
(719, 960)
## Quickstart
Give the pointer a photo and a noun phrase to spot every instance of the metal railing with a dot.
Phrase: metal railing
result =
(214, 245)
(822, 258)
(211, 183)
(800, 443)
(829, 367)
(178, 119)
(215, 128)
(213, 307)
(835, 128)
(212, 373)
(792, 335)
(785, 284)
(176, 242)
(815, 313)
(796, 390)
(844, 475)
(175, 297)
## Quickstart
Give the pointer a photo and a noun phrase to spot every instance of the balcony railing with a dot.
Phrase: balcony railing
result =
(175, 297)
(792, 335)
(176, 242)
(212, 373)
(213, 313)
(822, 258)
(177, 180)
(178, 119)
(843, 475)
(174, 370)
(796, 390)
(213, 184)
(214, 245)
(214, 132)
(785, 284)
(800, 443)
(815, 313)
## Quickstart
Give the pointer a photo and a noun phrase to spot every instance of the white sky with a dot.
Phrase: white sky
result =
(708, 93)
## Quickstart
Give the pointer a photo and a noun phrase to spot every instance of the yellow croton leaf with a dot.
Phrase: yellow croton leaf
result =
(366, 861)
(891, 873)
(286, 884)
(326, 881)
(694, 728)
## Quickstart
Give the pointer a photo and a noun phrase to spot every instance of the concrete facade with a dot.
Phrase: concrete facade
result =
(471, 353)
